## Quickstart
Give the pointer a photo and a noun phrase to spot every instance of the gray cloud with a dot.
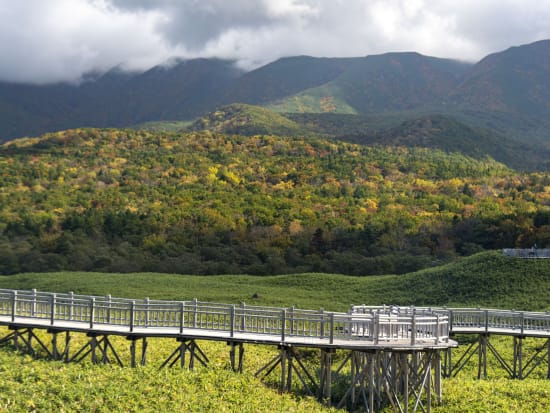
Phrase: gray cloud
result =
(59, 40)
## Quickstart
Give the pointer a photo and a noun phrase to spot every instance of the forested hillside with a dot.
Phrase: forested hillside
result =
(125, 200)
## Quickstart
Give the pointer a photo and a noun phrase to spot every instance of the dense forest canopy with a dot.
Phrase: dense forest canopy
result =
(203, 203)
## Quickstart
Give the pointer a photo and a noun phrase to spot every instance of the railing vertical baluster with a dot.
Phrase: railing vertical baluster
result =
(33, 309)
(92, 311)
(413, 327)
(243, 317)
(522, 321)
(232, 321)
(376, 326)
(182, 316)
(195, 304)
(52, 309)
(292, 320)
(132, 315)
(13, 305)
(109, 309)
(283, 324)
(71, 309)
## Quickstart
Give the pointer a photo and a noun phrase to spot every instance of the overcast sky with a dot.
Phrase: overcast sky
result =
(59, 40)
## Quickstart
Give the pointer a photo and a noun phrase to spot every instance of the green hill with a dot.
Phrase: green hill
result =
(486, 279)
(247, 120)
(207, 203)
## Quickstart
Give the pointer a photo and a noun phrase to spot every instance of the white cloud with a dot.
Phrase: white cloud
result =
(45, 41)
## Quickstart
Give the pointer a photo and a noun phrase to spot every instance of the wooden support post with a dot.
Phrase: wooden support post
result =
(325, 379)
(144, 351)
(236, 353)
(428, 386)
(371, 380)
(132, 351)
(520, 358)
(93, 346)
(67, 346)
(55, 352)
(437, 377)
(183, 349)
(29, 341)
(283, 368)
(482, 357)
(405, 377)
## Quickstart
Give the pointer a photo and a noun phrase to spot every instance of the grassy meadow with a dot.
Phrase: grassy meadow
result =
(487, 279)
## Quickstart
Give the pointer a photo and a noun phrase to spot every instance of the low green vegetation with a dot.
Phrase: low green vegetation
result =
(486, 279)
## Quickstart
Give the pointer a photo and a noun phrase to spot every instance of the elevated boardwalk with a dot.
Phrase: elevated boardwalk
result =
(395, 355)
(531, 253)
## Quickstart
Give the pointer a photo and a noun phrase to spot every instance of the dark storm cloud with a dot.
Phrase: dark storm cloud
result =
(59, 40)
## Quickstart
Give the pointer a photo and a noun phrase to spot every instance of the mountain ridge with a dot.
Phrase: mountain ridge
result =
(507, 92)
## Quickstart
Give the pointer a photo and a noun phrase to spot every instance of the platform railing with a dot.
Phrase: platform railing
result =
(382, 325)
(475, 319)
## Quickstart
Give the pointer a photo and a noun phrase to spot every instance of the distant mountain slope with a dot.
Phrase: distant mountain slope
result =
(182, 90)
(285, 77)
(515, 81)
(388, 82)
(451, 135)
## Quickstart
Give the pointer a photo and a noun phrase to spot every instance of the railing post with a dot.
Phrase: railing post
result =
(486, 321)
(232, 321)
(71, 308)
(147, 304)
(13, 305)
(376, 325)
(182, 316)
(522, 321)
(132, 315)
(437, 327)
(243, 317)
(92, 311)
(195, 304)
(322, 332)
(413, 327)
(33, 307)
(283, 324)
(331, 335)
(52, 309)
(109, 309)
